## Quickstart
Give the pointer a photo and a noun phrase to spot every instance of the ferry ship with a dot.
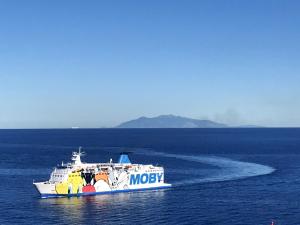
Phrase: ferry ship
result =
(78, 178)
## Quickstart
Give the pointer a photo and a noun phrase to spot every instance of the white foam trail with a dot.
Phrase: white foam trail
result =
(229, 169)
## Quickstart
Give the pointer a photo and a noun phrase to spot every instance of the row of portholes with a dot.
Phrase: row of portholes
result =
(57, 175)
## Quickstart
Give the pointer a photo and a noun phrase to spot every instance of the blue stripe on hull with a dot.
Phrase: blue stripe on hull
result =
(100, 193)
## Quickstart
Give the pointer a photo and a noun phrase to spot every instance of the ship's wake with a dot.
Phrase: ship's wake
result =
(221, 169)
(224, 169)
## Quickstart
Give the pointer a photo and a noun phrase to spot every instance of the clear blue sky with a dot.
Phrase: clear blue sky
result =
(98, 63)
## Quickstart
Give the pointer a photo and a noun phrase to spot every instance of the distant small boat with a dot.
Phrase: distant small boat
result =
(75, 127)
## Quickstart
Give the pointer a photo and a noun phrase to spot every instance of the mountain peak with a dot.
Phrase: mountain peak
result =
(170, 121)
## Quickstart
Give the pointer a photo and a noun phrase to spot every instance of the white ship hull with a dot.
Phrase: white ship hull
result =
(44, 193)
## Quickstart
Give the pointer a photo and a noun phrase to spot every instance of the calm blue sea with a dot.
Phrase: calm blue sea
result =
(220, 176)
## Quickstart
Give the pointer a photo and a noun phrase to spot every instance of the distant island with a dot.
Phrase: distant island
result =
(170, 121)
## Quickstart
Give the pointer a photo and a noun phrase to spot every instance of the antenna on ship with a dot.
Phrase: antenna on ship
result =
(81, 153)
(76, 156)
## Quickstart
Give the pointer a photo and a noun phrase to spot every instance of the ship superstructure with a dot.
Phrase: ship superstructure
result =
(78, 178)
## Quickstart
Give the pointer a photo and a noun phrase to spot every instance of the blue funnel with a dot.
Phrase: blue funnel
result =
(124, 158)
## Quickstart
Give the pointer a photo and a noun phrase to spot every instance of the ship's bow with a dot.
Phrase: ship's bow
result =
(45, 188)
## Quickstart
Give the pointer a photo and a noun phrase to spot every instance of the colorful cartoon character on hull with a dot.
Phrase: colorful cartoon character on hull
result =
(72, 185)
(89, 178)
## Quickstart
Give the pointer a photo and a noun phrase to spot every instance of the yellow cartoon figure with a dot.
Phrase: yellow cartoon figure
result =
(73, 185)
